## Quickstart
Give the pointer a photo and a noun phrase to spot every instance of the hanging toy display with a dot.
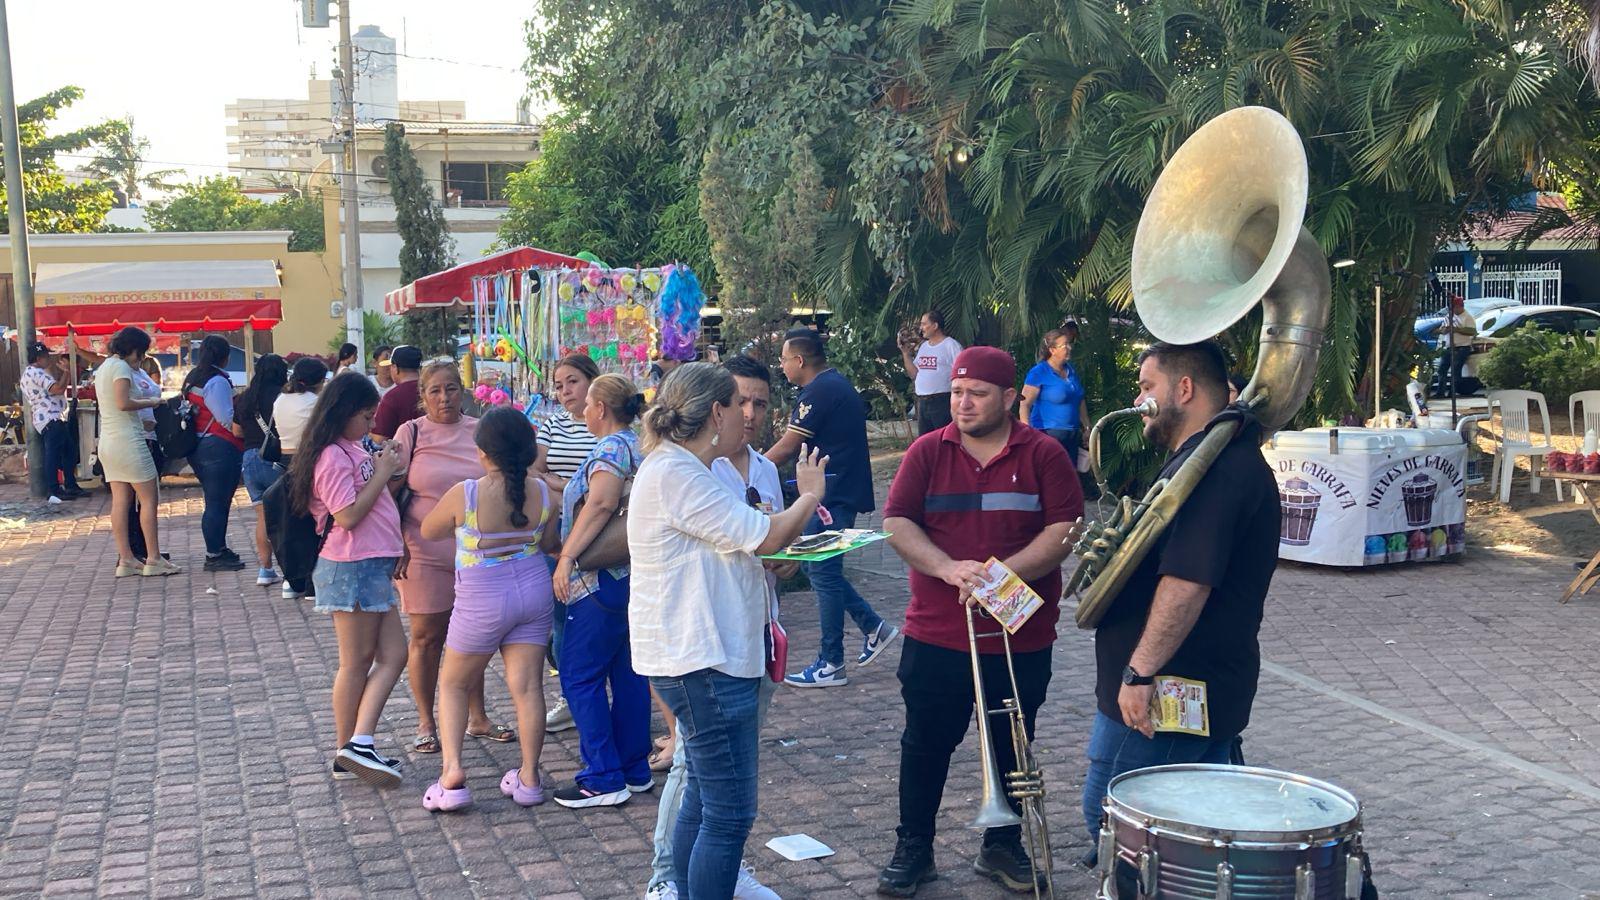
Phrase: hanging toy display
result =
(678, 312)
(609, 315)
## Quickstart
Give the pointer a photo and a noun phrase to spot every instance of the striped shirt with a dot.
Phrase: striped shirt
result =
(566, 442)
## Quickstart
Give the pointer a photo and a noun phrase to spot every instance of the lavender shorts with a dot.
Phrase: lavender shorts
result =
(504, 603)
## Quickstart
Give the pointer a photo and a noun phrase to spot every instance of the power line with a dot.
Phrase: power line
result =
(455, 62)
(254, 169)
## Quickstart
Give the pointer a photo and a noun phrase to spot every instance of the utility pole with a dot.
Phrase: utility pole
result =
(21, 271)
(347, 189)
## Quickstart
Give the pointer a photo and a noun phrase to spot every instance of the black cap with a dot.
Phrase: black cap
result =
(37, 350)
(406, 357)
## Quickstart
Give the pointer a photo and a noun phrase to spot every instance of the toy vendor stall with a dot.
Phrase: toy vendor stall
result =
(528, 308)
(77, 301)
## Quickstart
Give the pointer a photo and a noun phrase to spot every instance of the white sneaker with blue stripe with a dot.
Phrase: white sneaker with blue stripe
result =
(875, 643)
(818, 675)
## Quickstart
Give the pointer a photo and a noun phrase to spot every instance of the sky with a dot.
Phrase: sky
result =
(174, 64)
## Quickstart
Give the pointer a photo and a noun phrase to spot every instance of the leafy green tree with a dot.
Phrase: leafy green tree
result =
(377, 330)
(122, 161)
(597, 189)
(425, 244)
(56, 205)
(218, 204)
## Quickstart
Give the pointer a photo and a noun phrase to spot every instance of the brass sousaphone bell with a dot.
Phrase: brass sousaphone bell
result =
(1221, 231)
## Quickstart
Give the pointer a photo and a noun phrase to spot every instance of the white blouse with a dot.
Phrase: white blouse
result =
(698, 592)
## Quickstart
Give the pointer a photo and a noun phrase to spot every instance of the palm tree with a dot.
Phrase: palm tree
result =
(1418, 117)
(122, 161)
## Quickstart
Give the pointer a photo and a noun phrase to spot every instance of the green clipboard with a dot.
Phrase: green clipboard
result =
(856, 543)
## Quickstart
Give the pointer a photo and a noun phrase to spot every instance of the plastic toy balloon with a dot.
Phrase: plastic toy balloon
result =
(499, 397)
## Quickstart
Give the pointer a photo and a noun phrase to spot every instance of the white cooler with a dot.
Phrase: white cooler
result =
(1367, 496)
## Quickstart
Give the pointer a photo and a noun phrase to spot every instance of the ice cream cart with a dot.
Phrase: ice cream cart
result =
(1363, 497)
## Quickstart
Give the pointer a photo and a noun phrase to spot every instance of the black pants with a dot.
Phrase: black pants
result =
(937, 687)
(933, 412)
(58, 457)
(135, 531)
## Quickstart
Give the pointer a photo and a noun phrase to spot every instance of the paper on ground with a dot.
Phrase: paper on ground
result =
(799, 846)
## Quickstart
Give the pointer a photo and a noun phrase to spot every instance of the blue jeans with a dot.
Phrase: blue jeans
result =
(217, 464)
(670, 800)
(614, 735)
(57, 440)
(835, 594)
(1114, 748)
(719, 728)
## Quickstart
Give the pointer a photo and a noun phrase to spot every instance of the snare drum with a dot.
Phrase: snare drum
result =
(1228, 832)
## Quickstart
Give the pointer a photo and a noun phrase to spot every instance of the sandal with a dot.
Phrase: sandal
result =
(439, 798)
(500, 734)
(661, 760)
(425, 743)
(522, 794)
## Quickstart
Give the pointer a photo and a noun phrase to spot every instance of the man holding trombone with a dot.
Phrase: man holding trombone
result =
(985, 485)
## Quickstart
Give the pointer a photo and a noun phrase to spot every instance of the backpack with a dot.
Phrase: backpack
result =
(296, 539)
(176, 431)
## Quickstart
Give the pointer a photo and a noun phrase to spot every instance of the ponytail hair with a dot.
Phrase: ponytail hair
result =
(682, 408)
(618, 396)
(507, 438)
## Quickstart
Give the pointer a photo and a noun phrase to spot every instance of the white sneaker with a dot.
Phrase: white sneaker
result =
(748, 888)
(666, 890)
(559, 718)
(289, 593)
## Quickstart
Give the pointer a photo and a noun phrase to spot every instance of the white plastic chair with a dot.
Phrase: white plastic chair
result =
(1516, 439)
(1590, 403)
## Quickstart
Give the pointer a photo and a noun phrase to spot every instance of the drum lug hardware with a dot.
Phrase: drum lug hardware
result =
(1149, 872)
(1305, 882)
(1354, 876)
(1107, 855)
(1224, 881)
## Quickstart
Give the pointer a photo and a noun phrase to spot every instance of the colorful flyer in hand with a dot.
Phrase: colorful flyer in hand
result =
(1006, 596)
(1179, 705)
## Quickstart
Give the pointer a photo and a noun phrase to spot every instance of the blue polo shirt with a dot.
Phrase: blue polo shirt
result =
(832, 416)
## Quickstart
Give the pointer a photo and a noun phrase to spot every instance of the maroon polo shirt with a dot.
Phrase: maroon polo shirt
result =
(971, 511)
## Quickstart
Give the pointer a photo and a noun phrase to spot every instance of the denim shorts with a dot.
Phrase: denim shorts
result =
(366, 585)
(258, 475)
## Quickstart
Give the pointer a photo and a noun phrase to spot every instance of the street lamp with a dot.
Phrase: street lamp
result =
(1344, 263)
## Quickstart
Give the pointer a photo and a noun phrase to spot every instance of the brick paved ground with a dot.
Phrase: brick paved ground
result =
(169, 737)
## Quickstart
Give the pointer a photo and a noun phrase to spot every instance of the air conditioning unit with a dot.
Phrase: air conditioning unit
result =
(380, 166)
(336, 309)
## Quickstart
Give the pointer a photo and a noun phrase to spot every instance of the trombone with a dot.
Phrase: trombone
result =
(1025, 783)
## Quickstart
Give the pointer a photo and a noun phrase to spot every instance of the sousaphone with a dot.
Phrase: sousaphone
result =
(1221, 231)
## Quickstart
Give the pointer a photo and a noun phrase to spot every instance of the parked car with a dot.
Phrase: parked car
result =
(1497, 324)
(1427, 326)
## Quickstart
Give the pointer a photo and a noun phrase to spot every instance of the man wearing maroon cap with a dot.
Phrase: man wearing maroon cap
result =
(985, 485)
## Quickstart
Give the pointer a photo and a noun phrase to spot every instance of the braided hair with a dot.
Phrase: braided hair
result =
(506, 437)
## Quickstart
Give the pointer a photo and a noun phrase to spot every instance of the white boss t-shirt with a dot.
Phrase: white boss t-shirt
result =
(935, 362)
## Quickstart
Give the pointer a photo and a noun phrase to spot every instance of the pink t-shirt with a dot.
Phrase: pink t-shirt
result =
(342, 471)
(445, 457)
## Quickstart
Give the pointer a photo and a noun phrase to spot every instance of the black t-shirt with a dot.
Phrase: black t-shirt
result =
(1225, 536)
(832, 416)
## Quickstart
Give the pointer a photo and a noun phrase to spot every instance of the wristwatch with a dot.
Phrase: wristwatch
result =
(1132, 676)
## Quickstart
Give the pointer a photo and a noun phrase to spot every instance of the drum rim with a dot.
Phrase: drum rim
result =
(1131, 814)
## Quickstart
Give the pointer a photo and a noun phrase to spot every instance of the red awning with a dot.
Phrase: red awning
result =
(454, 285)
(172, 296)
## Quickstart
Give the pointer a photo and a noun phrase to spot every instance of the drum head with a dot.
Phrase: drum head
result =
(1247, 803)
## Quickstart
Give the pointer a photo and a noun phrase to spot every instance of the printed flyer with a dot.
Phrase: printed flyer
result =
(1006, 596)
